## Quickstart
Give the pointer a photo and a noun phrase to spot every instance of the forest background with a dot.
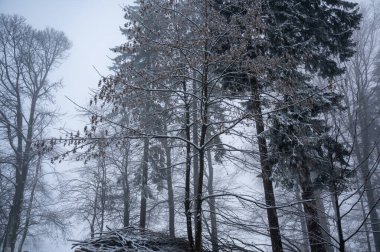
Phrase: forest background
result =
(74, 63)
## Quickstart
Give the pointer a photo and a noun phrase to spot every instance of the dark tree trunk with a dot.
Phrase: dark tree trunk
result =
(323, 220)
(198, 200)
(188, 171)
(126, 202)
(370, 192)
(126, 189)
(202, 148)
(373, 215)
(170, 188)
(22, 167)
(92, 228)
(144, 184)
(102, 192)
(14, 214)
(274, 227)
(30, 205)
(195, 137)
(305, 239)
(367, 232)
(341, 241)
(95, 212)
(316, 241)
(211, 203)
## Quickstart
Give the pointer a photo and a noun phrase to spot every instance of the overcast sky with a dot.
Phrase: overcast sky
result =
(92, 26)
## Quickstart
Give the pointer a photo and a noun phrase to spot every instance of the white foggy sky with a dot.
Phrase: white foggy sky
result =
(92, 26)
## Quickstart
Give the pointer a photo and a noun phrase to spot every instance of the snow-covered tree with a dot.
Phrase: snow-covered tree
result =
(179, 46)
(313, 35)
(305, 37)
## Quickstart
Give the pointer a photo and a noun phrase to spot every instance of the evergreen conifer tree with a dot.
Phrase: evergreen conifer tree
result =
(306, 38)
(313, 34)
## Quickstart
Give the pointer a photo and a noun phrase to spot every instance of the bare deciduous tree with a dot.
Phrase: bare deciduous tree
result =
(27, 56)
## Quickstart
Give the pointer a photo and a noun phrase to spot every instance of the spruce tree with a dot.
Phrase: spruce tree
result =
(313, 35)
(305, 38)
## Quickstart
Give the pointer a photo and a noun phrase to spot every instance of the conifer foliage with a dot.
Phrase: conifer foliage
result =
(316, 34)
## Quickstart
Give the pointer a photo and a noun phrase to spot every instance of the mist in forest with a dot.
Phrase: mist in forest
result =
(192, 125)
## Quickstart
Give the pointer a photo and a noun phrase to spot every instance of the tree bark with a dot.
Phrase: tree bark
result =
(126, 202)
(14, 214)
(370, 192)
(95, 206)
(305, 239)
(373, 215)
(126, 189)
(338, 220)
(367, 232)
(316, 241)
(22, 167)
(274, 227)
(144, 184)
(195, 137)
(323, 220)
(169, 181)
(211, 203)
(202, 148)
(187, 202)
(103, 192)
(30, 205)
(198, 200)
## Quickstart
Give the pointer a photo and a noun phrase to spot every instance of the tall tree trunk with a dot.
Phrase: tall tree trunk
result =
(126, 189)
(92, 228)
(187, 202)
(103, 193)
(198, 200)
(144, 184)
(14, 214)
(274, 227)
(316, 241)
(370, 193)
(169, 181)
(126, 201)
(336, 206)
(211, 203)
(30, 204)
(22, 167)
(95, 212)
(202, 148)
(323, 220)
(366, 229)
(195, 136)
(335, 201)
(373, 215)
(305, 239)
